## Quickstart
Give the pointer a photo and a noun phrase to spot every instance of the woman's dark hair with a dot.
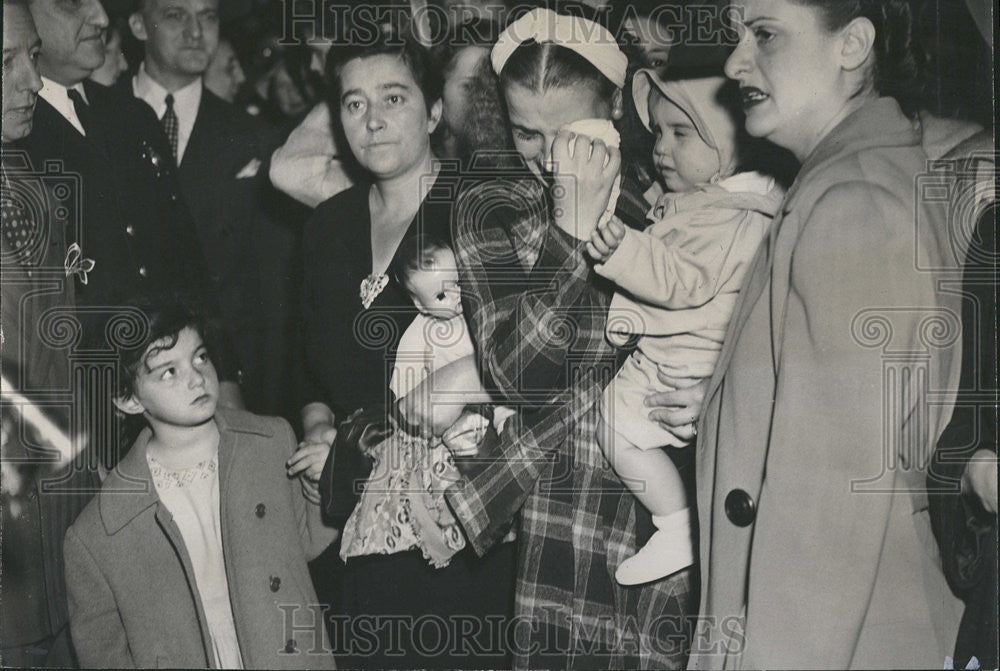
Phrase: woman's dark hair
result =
(166, 316)
(898, 61)
(414, 254)
(386, 43)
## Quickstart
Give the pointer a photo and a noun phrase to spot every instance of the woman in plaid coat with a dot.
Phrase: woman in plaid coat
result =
(537, 314)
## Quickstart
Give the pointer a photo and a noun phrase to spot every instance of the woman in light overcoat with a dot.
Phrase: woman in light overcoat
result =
(815, 541)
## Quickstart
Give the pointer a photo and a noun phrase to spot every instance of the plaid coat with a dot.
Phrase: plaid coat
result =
(537, 314)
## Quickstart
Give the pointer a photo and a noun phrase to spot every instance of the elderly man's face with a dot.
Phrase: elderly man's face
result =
(181, 36)
(72, 38)
(21, 82)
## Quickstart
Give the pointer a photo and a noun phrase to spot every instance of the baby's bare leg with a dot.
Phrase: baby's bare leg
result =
(649, 474)
(653, 479)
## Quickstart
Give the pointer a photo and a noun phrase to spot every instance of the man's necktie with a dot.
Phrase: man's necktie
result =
(82, 110)
(170, 125)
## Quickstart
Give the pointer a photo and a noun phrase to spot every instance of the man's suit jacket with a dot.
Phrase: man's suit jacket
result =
(226, 204)
(830, 391)
(133, 222)
(223, 179)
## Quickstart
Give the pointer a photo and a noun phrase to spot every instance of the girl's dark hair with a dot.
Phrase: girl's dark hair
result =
(389, 43)
(166, 316)
(414, 254)
(898, 61)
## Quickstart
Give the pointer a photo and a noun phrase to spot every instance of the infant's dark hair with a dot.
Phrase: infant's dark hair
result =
(414, 254)
(165, 317)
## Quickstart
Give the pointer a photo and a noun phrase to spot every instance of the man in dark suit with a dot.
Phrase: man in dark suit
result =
(135, 226)
(132, 232)
(42, 494)
(220, 151)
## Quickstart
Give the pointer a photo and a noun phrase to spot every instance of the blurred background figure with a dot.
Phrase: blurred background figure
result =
(654, 37)
(282, 85)
(461, 56)
(115, 64)
(224, 75)
(291, 88)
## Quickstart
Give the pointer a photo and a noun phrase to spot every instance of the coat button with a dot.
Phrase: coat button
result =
(130, 229)
(261, 510)
(275, 583)
(143, 271)
(290, 646)
(740, 508)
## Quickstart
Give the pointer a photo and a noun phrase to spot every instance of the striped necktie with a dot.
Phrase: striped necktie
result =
(170, 125)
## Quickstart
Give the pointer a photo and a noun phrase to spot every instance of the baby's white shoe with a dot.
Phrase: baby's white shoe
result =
(667, 551)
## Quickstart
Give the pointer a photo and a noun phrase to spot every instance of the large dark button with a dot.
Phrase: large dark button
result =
(261, 510)
(740, 508)
(290, 646)
(275, 583)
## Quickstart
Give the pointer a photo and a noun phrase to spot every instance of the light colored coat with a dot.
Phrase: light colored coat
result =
(812, 414)
(132, 596)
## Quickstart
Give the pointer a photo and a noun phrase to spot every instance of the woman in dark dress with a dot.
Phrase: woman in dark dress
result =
(387, 97)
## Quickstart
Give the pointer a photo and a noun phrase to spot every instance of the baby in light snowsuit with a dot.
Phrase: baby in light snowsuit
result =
(677, 286)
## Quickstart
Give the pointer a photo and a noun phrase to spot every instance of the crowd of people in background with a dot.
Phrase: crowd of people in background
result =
(437, 334)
